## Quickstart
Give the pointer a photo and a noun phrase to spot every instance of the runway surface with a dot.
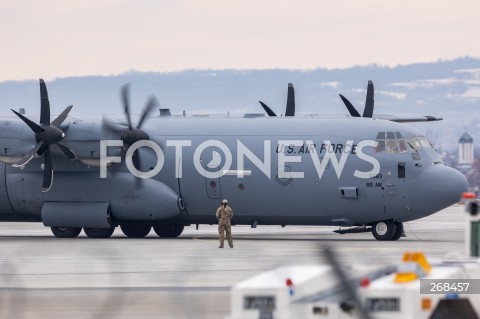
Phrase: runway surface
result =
(188, 277)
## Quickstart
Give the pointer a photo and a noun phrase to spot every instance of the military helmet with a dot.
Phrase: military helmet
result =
(224, 201)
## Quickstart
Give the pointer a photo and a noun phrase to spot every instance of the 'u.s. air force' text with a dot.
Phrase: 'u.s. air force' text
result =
(308, 148)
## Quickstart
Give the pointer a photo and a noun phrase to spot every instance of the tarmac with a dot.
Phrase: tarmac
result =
(187, 277)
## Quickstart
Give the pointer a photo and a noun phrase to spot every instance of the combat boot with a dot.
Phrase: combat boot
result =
(221, 246)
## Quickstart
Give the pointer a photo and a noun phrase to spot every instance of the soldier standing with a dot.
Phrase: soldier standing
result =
(224, 215)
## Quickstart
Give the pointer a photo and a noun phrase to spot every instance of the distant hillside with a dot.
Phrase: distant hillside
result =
(446, 88)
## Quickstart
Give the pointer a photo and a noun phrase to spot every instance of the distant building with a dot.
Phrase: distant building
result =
(465, 150)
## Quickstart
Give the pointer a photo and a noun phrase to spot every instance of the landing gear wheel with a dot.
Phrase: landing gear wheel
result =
(384, 230)
(398, 231)
(66, 232)
(99, 232)
(168, 230)
(136, 231)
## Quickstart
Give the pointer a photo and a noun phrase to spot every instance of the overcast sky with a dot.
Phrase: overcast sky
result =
(57, 38)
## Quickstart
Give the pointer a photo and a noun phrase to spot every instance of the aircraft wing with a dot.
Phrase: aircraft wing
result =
(408, 118)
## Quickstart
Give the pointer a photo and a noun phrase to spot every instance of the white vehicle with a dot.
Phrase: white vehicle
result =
(414, 289)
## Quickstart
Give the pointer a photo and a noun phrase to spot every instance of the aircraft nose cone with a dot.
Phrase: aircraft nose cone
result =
(439, 187)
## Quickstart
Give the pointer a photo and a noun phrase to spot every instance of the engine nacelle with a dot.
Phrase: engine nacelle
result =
(13, 143)
(148, 199)
(76, 214)
(84, 139)
(5, 206)
(126, 196)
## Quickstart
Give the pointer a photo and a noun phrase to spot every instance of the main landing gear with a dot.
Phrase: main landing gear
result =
(168, 230)
(387, 230)
(136, 230)
(142, 230)
(133, 230)
(99, 232)
(66, 232)
(73, 232)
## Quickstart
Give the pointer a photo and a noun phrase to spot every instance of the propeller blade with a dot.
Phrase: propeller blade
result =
(34, 126)
(346, 287)
(136, 160)
(126, 103)
(353, 111)
(68, 152)
(46, 133)
(44, 104)
(59, 120)
(368, 111)
(290, 110)
(47, 171)
(152, 103)
(27, 158)
(267, 109)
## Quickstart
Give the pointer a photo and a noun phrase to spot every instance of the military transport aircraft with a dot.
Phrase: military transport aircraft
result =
(96, 173)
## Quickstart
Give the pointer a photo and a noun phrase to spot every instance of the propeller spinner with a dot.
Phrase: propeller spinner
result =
(46, 134)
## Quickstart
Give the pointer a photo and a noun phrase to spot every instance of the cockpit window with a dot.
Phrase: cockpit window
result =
(392, 146)
(391, 143)
(417, 143)
(380, 146)
(424, 142)
(414, 143)
(390, 136)
(402, 145)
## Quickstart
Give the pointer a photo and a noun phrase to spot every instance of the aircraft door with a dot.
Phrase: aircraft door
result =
(214, 190)
(395, 185)
(211, 162)
(200, 190)
(392, 182)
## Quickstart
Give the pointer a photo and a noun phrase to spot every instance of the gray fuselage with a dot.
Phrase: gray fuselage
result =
(411, 181)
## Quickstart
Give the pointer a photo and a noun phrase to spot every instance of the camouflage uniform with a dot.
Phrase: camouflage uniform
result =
(224, 215)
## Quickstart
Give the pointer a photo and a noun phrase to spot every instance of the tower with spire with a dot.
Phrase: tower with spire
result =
(465, 150)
